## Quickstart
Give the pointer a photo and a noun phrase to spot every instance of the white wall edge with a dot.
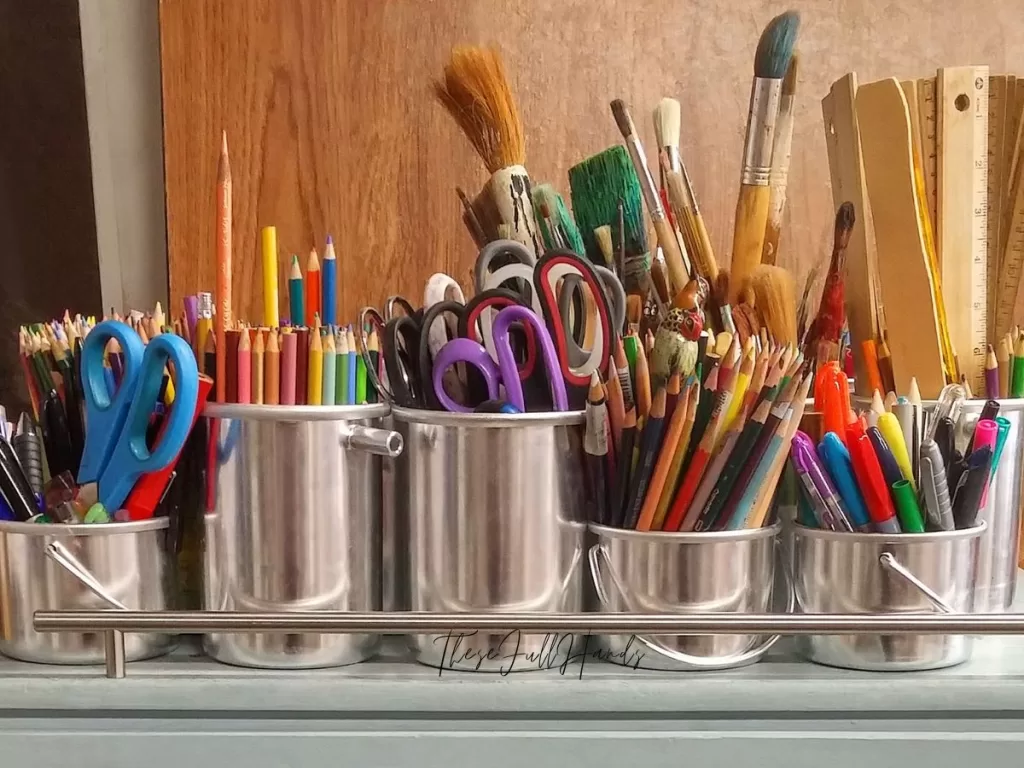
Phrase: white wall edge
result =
(121, 62)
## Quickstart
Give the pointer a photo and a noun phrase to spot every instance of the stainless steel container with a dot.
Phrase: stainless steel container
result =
(295, 526)
(998, 551)
(726, 571)
(126, 561)
(837, 572)
(489, 517)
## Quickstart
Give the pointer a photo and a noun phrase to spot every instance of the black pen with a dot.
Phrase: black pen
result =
(967, 499)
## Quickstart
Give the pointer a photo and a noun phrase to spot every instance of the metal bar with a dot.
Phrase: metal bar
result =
(113, 654)
(183, 622)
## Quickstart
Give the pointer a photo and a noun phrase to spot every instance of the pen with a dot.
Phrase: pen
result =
(907, 509)
(833, 503)
(938, 506)
(969, 490)
(892, 430)
(890, 469)
(872, 482)
(836, 458)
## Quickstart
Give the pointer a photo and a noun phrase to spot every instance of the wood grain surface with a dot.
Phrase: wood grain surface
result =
(49, 257)
(333, 128)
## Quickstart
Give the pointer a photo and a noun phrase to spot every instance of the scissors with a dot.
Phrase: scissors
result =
(116, 454)
(506, 370)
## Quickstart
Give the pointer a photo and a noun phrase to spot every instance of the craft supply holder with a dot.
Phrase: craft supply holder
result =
(294, 525)
(999, 545)
(913, 573)
(488, 517)
(82, 567)
(728, 572)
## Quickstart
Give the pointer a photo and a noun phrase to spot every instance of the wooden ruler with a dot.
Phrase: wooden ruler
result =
(1010, 265)
(838, 111)
(928, 120)
(962, 109)
(997, 113)
(904, 273)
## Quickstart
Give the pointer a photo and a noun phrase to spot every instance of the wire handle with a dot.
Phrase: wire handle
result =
(691, 662)
(63, 557)
(889, 562)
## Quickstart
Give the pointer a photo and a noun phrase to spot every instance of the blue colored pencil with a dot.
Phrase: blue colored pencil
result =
(329, 284)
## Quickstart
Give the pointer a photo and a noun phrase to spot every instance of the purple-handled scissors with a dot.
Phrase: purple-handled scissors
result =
(505, 371)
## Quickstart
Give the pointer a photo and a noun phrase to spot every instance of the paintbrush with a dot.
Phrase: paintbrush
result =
(471, 220)
(557, 227)
(679, 274)
(605, 191)
(831, 316)
(774, 50)
(803, 319)
(476, 92)
(781, 154)
(774, 297)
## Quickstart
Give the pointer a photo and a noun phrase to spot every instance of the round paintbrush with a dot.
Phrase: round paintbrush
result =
(476, 92)
(774, 50)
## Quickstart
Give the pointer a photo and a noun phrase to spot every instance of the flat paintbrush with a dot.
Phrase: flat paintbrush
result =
(774, 50)
(678, 274)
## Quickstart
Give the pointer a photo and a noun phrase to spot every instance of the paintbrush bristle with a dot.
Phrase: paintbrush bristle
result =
(603, 237)
(775, 47)
(622, 118)
(476, 92)
(774, 292)
(792, 73)
(597, 185)
(546, 197)
(667, 122)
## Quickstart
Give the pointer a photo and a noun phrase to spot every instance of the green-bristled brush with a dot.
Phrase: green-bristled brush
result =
(597, 185)
(557, 227)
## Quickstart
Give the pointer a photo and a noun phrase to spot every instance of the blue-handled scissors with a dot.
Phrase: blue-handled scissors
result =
(116, 454)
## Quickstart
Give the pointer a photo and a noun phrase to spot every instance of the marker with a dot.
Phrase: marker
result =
(872, 482)
(836, 458)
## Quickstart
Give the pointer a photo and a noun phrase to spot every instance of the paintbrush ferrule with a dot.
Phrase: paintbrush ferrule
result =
(675, 161)
(647, 187)
(765, 97)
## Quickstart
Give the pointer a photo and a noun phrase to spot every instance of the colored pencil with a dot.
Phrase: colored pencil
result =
(678, 425)
(350, 337)
(211, 351)
(270, 297)
(341, 384)
(295, 294)
(595, 446)
(373, 351)
(649, 443)
(244, 367)
(257, 368)
(312, 285)
(1004, 368)
(302, 363)
(625, 468)
(642, 383)
(330, 285)
(289, 342)
(272, 369)
(233, 337)
(315, 376)
(616, 408)
(622, 372)
(361, 378)
(330, 366)
(223, 266)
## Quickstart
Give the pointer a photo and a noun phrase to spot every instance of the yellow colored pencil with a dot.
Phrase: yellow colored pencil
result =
(315, 379)
(270, 298)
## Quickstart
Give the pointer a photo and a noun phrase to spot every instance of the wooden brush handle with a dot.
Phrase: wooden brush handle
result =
(748, 235)
(677, 276)
(707, 253)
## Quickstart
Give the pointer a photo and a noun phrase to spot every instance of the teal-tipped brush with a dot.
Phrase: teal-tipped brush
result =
(597, 185)
(549, 206)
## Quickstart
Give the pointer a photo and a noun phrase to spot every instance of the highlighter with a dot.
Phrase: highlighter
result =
(891, 429)
(986, 434)
(872, 483)
(836, 458)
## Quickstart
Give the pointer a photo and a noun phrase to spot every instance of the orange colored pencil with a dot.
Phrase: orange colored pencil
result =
(676, 426)
(272, 369)
(223, 265)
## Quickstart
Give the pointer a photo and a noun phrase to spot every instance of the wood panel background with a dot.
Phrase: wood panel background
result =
(333, 128)
(49, 257)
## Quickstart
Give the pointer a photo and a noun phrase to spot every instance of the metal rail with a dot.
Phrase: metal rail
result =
(116, 623)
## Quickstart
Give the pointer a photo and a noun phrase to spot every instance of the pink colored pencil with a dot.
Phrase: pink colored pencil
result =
(244, 368)
(289, 352)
